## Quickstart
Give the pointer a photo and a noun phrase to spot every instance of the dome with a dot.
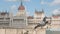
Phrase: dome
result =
(21, 7)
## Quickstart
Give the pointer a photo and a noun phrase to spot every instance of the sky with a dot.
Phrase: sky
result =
(49, 6)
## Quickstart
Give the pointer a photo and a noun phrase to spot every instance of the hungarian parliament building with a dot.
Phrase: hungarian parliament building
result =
(23, 24)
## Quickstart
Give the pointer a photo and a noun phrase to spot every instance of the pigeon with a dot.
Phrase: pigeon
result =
(43, 23)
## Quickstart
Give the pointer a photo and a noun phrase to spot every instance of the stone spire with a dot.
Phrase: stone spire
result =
(42, 10)
(21, 3)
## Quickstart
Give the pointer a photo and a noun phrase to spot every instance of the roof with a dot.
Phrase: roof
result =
(56, 16)
(4, 13)
(39, 12)
(30, 17)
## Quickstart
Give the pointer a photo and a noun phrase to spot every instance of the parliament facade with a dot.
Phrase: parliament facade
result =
(23, 24)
